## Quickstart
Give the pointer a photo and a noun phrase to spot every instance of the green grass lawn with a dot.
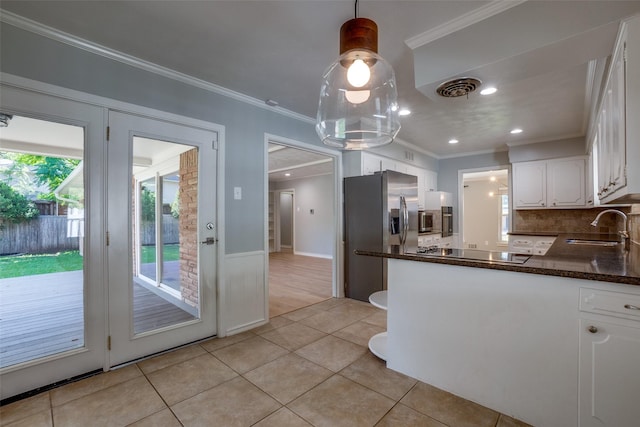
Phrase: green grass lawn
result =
(31, 264)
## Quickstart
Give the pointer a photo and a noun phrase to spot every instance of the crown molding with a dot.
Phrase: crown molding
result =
(493, 8)
(416, 148)
(94, 48)
(473, 153)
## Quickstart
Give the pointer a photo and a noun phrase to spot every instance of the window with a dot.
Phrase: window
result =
(504, 219)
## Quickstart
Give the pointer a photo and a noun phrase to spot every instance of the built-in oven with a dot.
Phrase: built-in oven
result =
(447, 221)
(425, 222)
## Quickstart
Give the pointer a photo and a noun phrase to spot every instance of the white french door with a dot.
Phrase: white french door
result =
(162, 229)
(52, 313)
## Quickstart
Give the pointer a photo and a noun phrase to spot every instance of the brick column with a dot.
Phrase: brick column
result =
(188, 226)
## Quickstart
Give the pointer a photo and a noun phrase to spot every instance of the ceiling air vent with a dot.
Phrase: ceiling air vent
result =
(462, 86)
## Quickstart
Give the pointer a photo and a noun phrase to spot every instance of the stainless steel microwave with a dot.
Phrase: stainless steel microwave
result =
(425, 222)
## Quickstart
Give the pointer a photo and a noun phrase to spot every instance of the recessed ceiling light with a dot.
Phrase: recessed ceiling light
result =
(404, 112)
(453, 141)
(516, 130)
(488, 91)
(287, 174)
(492, 179)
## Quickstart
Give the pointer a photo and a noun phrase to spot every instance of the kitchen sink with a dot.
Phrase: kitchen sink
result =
(605, 243)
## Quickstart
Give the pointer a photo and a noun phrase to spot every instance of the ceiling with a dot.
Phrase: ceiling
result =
(545, 57)
(287, 163)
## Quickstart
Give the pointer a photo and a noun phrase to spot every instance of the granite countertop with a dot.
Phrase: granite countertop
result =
(534, 233)
(607, 264)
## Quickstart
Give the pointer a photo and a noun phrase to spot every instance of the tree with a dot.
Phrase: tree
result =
(14, 207)
(148, 202)
(48, 170)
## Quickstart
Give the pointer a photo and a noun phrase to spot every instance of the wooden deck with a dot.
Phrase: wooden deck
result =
(43, 315)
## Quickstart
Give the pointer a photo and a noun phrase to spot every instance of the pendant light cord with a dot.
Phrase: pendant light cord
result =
(355, 9)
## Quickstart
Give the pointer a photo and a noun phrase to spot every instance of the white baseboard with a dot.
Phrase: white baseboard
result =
(325, 256)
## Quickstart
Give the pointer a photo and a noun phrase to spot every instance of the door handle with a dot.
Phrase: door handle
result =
(209, 241)
(405, 220)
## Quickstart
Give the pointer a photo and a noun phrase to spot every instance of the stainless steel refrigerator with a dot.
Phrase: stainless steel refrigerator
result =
(380, 211)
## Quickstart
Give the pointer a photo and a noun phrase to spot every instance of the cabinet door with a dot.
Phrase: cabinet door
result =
(609, 374)
(617, 125)
(565, 183)
(430, 180)
(530, 184)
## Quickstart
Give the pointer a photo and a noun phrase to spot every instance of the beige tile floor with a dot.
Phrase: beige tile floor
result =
(310, 367)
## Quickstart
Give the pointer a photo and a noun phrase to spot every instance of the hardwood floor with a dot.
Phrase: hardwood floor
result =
(297, 281)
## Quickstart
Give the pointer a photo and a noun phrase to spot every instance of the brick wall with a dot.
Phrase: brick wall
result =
(188, 225)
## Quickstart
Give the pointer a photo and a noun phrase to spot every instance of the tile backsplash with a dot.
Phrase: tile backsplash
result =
(576, 221)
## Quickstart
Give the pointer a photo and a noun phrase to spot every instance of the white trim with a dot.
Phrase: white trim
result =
(324, 256)
(415, 148)
(337, 267)
(94, 48)
(487, 11)
(474, 153)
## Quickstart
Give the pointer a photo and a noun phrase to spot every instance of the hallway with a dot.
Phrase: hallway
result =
(297, 281)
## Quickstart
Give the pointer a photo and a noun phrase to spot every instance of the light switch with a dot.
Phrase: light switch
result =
(237, 193)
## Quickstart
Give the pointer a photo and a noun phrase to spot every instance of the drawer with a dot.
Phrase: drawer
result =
(517, 250)
(610, 303)
(521, 242)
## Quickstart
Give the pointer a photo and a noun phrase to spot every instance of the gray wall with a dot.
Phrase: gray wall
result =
(313, 232)
(548, 150)
(448, 173)
(35, 57)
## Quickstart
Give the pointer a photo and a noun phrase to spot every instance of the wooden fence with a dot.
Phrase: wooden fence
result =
(170, 231)
(43, 235)
(48, 234)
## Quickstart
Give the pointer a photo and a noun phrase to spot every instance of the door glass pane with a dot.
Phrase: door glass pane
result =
(42, 233)
(170, 249)
(148, 228)
(166, 279)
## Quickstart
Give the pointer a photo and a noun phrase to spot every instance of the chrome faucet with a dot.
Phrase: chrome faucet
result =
(624, 234)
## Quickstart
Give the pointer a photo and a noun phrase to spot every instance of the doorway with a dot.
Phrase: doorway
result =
(485, 209)
(302, 225)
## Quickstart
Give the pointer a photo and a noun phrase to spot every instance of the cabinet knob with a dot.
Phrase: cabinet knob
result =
(554, 203)
(592, 329)
(631, 307)
(541, 204)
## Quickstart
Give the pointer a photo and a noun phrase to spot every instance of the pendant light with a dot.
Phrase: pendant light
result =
(358, 106)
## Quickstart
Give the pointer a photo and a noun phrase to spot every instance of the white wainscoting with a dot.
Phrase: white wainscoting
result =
(244, 301)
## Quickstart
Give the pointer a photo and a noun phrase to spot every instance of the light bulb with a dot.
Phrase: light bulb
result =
(357, 96)
(358, 73)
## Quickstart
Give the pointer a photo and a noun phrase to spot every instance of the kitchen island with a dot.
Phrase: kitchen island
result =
(549, 341)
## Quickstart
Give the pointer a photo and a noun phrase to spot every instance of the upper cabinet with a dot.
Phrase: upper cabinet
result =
(549, 184)
(616, 133)
(358, 163)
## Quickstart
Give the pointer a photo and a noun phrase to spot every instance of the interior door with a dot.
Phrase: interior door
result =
(162, 235)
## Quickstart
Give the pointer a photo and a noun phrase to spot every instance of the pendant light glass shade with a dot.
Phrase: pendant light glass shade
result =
(358, 99)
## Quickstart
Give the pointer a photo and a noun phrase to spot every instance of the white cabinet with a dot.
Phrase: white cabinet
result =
(609, 368)
(557, 183)
(566, 181)
(530, 185)
(357, 163)
(617, 128)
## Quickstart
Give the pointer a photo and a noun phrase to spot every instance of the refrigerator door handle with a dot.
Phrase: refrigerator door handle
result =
(404, 214)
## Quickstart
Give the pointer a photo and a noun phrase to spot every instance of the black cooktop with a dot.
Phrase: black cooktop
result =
(473, 254)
